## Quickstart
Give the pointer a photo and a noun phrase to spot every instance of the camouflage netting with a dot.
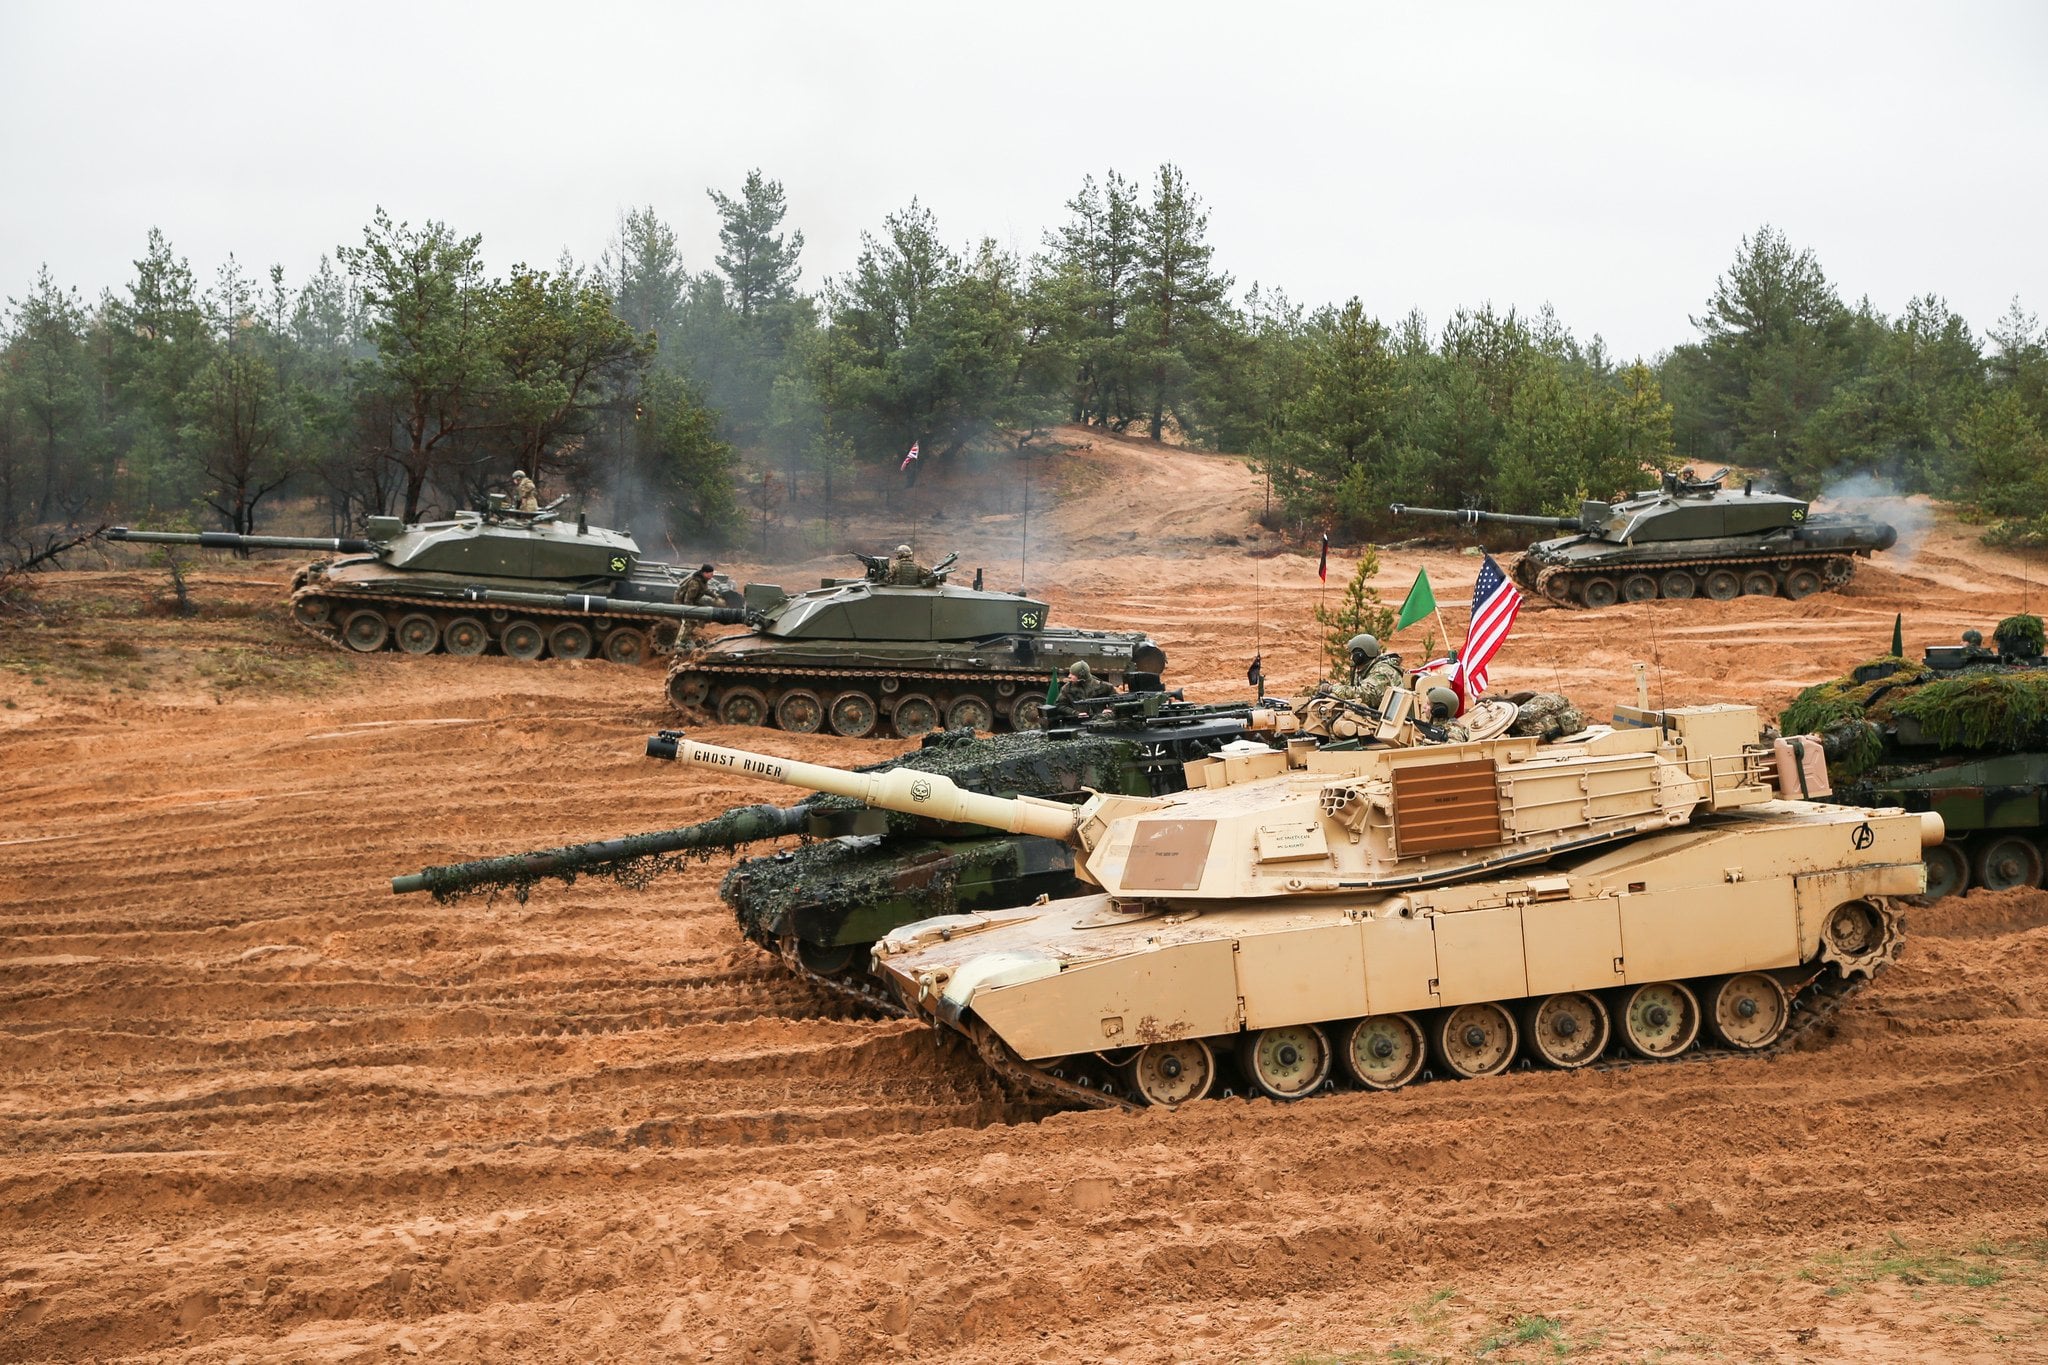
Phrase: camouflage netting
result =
(847, 878)
(2021, 635)
(1983, 706)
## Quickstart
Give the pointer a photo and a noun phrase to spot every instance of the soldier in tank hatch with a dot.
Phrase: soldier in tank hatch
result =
(525, 497)
(904, 570)
(1082, 685)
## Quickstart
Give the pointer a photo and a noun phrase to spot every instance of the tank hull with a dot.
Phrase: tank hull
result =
(1586, 571)
(1084, 1004)
(337, 599)
(878, 688)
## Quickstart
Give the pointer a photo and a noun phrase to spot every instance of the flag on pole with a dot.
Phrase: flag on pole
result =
(1323, 564)
(909, 459)
(1419, 603)
(1255, 676)
(1494, 603)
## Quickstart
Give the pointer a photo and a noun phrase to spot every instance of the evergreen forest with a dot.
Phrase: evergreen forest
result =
(691, 397)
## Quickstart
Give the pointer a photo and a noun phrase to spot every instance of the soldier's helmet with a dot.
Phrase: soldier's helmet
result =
(1973, 637)
(903, 552)
(1080, 671)
(1443, 703)
(518, 473)
(1362, 647)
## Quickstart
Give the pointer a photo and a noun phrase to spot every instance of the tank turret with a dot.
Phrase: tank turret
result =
(869, 656)
(414, 586)
(1302, 915)
(1688, 537)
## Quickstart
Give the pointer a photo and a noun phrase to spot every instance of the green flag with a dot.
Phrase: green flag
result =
(1899, 636)
(1420, 601)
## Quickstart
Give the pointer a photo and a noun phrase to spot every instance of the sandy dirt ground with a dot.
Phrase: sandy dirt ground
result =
(254, 1107)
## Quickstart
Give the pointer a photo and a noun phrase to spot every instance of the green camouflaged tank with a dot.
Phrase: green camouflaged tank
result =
(1962, 733)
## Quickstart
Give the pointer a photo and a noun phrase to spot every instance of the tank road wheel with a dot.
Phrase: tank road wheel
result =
(1638, 587)
(570, 640)
(1859, 937)
(829, 959)
(1659, 1020)
(626, 645)
(1678, 584)
(1598, 592)
(522, 639)
(1948, 871)
(312, 611)
(1026, 710)
(972, 712)
(1759, 583)
(799, 711)
(365, 631)
(465, 635)
(914, 714)
(1801, 583)
(1382, 1051)
(1475, 1040)
(742, 706)
(1568, 1030)
(1747, 1011)
(853, 714)
(416, 633)
(2007, 861)
(686, 688)
(1722, 585)
(1167, 1074)
(1837, 570)
(1288, 1062)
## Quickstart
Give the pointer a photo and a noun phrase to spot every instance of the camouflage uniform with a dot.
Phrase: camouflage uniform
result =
(1082, 685)
(904, 570)
(694, 591)
(1382, 676)
(525, 497)
(1546, 715)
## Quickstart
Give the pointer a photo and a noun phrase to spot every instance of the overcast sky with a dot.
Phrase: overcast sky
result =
(1606, 159)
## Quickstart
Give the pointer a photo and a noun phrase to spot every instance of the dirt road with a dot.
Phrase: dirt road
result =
(252, 1106)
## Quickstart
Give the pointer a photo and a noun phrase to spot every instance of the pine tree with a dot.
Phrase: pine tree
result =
(1358, 612)
(1179, 299)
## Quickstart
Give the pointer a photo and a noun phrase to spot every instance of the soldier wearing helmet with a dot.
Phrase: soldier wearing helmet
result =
(1082, 685)
(904, 570)
(525, 497)
(1374, 672)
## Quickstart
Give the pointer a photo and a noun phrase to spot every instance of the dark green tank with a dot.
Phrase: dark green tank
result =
(1687, 538)
(522, 583)
(822, 905)
(868, 657)
(1963, 732)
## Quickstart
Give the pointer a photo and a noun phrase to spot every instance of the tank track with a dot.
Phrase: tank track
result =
(1559, 582)
(1817, 996)
(942, 686)
(329, 629)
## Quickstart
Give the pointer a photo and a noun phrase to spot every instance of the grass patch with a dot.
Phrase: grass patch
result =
(1982, 1265)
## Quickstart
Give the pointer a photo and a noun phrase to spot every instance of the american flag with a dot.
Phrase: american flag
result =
(908, 458)
(1494, 603)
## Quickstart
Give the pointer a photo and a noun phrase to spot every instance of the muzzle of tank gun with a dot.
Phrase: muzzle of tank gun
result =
(664, 744)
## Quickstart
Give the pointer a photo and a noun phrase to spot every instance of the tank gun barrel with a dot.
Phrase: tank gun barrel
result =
(735, 827)
(228, 540)
(593, 605)
(899, 789)
(1466, 516)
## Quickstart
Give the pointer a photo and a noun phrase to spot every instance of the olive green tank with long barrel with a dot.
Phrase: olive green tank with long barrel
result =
(526, 584)
(870, 656)
(821, 906)
(1303, 918)
(1961, 732)
(1687, 538)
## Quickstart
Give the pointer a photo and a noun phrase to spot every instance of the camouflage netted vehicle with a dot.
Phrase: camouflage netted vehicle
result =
(525, 584)
(1962, 732)
(869, 657)
(863, 872)
(1687, 538)
(1304, 917)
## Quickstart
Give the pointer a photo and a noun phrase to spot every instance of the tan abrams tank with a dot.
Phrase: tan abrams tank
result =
(1307, 918)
